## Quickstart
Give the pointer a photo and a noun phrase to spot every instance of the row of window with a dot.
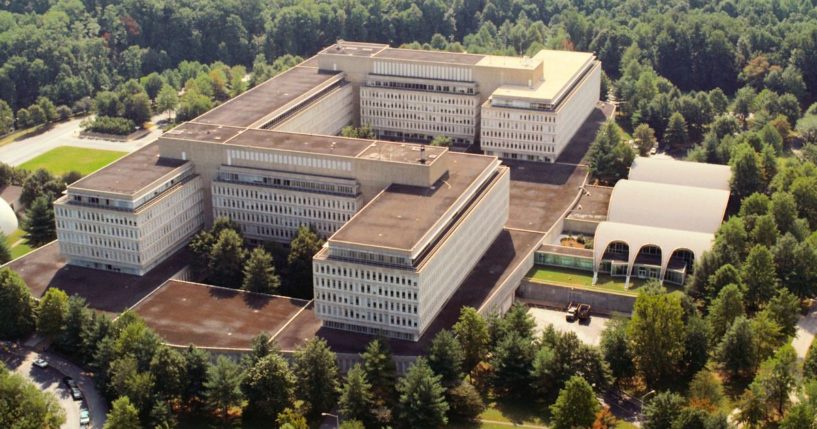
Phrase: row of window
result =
(298, 160)
(426, 71)
(494, 144)
(517, 116)
(355, 273)
(254, 199)
(423, 86)
(400, 307)
(313, 184)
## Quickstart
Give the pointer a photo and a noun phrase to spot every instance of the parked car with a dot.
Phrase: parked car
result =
(69, 382)
(583, 312)
(84, 418)
(76, 393)
(41, 363)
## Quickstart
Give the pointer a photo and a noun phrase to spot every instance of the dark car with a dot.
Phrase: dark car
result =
(69, 382)
(76, 393)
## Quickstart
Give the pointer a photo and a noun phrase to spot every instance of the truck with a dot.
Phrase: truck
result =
(577, 311)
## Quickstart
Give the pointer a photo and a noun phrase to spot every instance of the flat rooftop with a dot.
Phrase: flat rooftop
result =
(457, 58)
(105, 291)
(401, 216)
(378, 150)
(185, 313)
(505, 255)
(561, 70)
(357, 49)
(593, 203)
(541, 192)
(130, 174)
(258, 102)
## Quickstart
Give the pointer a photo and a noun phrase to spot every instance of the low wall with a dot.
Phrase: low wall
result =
(581, 226)
(560, 296)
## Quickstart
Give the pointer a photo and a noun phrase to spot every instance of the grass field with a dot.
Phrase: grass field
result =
(584, 279)
(69, 158)
(20, 249)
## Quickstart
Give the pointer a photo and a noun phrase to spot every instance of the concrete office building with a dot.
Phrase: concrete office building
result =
(131, 215)
(519, 108)
(405, 223)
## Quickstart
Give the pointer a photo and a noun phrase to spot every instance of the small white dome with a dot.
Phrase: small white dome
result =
(8, 220)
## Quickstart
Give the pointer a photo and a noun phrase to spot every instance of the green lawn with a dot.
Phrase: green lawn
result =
(69, 158)
(583, 279)
(20, 249)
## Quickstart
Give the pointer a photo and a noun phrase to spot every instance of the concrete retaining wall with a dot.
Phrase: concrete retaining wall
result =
(559, 297)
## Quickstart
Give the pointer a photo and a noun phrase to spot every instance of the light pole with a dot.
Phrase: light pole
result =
(337, 418)
(641, 401)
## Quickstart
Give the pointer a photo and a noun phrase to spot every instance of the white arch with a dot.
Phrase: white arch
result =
(8, 220)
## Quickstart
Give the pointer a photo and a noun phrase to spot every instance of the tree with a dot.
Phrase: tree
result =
(706, 391)
(777, 377)
(356, 401)
(445, 357)
(614, 348)
(751, 406)
(77, 319)
(152, 83)
(108, 103)
(269, 386)
(123, 415)
(472, 333)
(291, 419)
(227, 259)
(784, 308)
(512, 361)
(381, 372)
(656, 333)
(259, 273)
(316, 372)
(5, 251)
(23, 405)
(759, 275)
(36, 115)
(48, 108)
(747, 173)
(168, 368)
(675, 135)
(51, 313)
(24, 118)
(223, 386)
(167, 100)
(302, 248)
(39, 223)
(784, 210)
(737, 353)
(6, 118)
(576, 405)
(196, 367)
(724, 309)
(465, 403)
(17, 317)
(441, 140)
(661, 410)
(137, 108)
(765, 231)
(810, 362)
(422, 401)
(644, 139)
(696, 345)
(799, 416)
(610, 156)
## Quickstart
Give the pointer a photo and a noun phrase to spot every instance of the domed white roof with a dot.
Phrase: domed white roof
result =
(8, 220)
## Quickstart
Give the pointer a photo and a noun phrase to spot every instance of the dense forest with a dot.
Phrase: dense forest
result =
(66, 50)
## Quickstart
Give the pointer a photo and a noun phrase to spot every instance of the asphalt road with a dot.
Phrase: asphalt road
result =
(49, 379)
(589, 333)
(67, 134)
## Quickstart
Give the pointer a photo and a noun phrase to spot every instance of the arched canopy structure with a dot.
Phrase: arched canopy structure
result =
(8, 220)
(684, 173)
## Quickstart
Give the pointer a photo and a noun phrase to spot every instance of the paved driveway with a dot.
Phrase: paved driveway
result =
(806, 329)
(20, 361)
(589, 333)
(67, 134)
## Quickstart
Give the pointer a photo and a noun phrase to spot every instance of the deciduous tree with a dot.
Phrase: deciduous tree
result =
(576, 405)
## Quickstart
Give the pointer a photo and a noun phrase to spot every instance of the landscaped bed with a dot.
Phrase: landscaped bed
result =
(583, 279)
(64, 159)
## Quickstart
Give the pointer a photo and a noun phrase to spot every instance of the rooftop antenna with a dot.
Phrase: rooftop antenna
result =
(422, 154)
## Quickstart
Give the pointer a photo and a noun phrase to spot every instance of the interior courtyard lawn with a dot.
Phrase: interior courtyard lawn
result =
(64, 159)
(584, 279)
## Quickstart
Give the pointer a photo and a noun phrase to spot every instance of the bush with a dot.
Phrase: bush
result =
(110, 125)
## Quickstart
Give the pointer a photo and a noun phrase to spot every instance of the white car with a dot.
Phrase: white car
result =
(84, 417)
(41, 363)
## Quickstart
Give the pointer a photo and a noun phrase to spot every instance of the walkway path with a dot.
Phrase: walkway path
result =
(806, 329)
(20, 359)
(67, 134)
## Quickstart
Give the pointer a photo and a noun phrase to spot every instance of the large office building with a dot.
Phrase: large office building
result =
(405, 222)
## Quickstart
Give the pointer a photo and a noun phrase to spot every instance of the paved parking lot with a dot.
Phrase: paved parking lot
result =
(589, 333)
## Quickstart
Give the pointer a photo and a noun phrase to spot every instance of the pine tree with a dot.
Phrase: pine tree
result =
(259, 273)
(445, 358)
(381, 373)
(422, 397)
(644, 139)
(39, 224)
(316, 373)
(610, 156)
(223, 386)
(356, 401)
